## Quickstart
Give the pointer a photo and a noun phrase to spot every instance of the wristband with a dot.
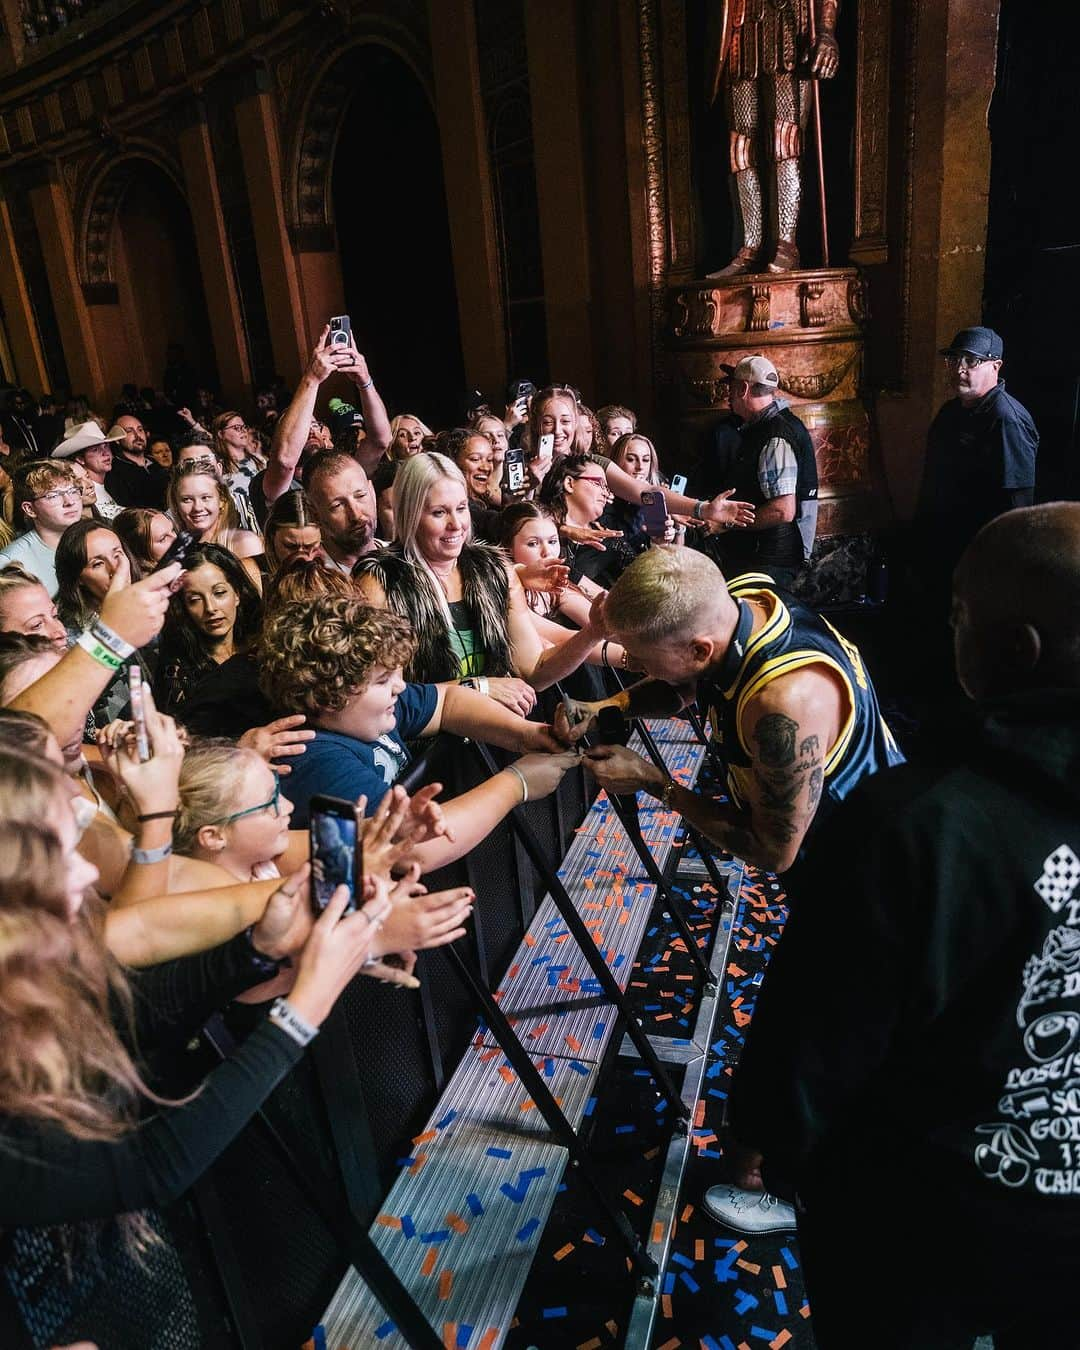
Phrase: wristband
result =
(366, 386)
(482, 685)
(158, 815)
(603, 654)
(151, 855)
(521, 779)
(115, 643)
(287, 1019)
(699, 510)
(101, 654)
(267, 965)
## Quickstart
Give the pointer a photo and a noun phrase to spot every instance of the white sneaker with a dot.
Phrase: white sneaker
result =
(749, 1211)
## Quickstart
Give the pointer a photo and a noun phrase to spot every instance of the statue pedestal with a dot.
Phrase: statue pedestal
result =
(810, 324)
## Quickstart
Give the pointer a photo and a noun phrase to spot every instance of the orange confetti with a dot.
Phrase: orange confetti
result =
(699, 1249)
(780, 1339)
(665, 1303)
(779, 1279)
(418, 1162)
(684, 1217)
(574, 1044)
(657, 1233)
(507, 1075)
(428, 1266)
(594, 1344)
(488, 1339)
(388, 1221)
(426, 1137)
(673, 1344)
(456, 1223)
(446, 1284)
(749, 1266)
(632, 1197)
(449, 1335)
(563, 1252)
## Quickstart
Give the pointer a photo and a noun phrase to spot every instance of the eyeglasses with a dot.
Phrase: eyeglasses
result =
(271, 805)
(236, 426)
(964, 361)
(588, 478)
(68, 494)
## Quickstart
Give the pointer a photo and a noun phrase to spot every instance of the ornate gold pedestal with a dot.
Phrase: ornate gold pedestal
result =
(810, 324)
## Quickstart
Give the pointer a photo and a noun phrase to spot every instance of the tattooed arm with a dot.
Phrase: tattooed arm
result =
(788, 728)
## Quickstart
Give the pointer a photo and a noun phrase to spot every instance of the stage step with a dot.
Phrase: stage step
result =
(462, 1223)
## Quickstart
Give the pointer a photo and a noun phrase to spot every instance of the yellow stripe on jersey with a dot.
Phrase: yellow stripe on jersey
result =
(786, 665)
(777, 622)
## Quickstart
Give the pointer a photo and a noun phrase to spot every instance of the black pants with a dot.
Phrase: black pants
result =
(912, 1269)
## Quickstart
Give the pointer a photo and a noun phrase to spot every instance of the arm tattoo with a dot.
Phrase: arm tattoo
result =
(775, 735)
(786, 781)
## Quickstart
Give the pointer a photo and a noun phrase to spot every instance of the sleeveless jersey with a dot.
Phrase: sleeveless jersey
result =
(793, 637)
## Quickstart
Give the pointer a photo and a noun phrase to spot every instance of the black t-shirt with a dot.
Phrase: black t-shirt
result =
(136, 485)
(977, 460)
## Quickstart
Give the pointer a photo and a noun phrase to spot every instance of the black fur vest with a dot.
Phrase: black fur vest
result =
(410, 592)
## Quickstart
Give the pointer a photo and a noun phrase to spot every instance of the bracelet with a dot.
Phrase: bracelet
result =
(287, 1019)
(101, 654)
(151, 855)
(521, 779)
(624, 663)
(366, 386)
(266, 965)
(158, 815)
(699, 510)
(116, 644)
(603, 654)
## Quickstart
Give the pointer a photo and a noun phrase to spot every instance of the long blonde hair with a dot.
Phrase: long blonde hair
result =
(61, 1060)
(412, 484)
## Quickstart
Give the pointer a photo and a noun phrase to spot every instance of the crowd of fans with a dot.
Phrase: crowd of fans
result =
(207, 622)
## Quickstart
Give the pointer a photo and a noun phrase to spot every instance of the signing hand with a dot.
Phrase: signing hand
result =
(278, 738)
(574, 718)
(621, 771)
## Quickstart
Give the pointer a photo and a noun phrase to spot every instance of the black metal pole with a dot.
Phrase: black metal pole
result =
(589, 949)
(560, 1127)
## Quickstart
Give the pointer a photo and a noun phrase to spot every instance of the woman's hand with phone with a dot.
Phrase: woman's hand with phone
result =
(151, 785)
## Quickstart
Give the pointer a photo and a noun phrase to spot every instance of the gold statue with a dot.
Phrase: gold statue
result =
(769, 56)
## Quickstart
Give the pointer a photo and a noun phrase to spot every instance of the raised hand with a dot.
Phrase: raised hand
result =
(152, 785)
(725, 511)
(137, 612)
(281, 737)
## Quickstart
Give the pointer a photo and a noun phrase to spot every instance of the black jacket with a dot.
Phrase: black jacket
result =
(921, 1016)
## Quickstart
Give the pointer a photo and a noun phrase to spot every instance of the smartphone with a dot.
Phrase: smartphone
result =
(340, 333)
(514, 470)
(546, 447)
(654, 513)
(335, 851)
(678, 483)
(177, 551)
(138, 712)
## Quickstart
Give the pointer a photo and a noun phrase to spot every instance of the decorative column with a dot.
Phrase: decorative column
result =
(52, 214)
(26, 353)
(215, 262)
(469, 202)
(257, 132)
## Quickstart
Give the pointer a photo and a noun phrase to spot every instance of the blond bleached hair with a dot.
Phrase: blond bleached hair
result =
(668, 593)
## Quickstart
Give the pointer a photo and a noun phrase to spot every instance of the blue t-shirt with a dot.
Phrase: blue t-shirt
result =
(337, 765)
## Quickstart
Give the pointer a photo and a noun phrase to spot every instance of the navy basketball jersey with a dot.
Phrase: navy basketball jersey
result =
(793, 637)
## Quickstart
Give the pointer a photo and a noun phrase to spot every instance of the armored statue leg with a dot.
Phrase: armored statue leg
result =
(788, 116)
(743, 120)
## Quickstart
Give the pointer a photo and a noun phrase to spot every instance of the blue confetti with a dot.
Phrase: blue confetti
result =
(473, 1201)
(499, 1153)
(381, 1332)
(527, 1230)
(548, 1313)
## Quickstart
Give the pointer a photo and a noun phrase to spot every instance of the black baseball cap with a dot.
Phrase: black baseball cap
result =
(981, 342)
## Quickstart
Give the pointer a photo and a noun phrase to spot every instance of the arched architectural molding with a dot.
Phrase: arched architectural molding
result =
(105, 185)
(309, 205)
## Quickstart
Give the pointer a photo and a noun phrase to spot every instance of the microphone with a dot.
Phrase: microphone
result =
(611, 729)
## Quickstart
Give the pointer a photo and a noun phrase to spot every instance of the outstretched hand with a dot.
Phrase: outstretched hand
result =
(280, 737)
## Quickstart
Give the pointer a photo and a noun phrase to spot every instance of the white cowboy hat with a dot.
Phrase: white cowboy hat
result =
(85, 437)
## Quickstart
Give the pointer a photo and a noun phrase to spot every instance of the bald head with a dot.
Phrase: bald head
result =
(1017, 602)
